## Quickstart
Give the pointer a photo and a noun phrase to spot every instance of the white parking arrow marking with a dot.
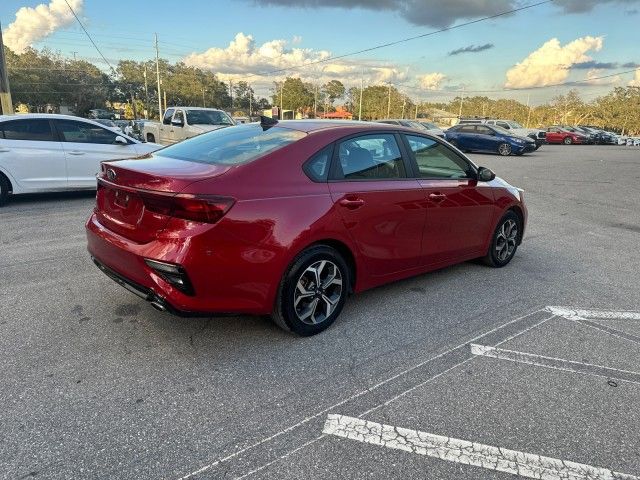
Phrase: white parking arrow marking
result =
(466, 452)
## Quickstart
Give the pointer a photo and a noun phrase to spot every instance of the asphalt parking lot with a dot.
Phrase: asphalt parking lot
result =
(462, 373)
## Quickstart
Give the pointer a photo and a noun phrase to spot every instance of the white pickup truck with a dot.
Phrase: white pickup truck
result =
(180, 123)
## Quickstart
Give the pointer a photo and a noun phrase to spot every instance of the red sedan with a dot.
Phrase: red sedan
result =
(289, 218)
(560, 135)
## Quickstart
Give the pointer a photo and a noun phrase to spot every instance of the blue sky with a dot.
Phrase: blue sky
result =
(422, 68)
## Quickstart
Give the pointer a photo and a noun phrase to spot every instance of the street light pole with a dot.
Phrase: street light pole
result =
(158, 80)
(361, 90)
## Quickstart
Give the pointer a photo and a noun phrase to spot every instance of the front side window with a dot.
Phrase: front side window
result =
(233, 145)
(33, 129)
(179, 117)
(482, 130)
(80, 132)
(437, 161)
(167, 116)
(370, 157)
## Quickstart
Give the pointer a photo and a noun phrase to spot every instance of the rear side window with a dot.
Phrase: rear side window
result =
(370, 157)
(467, 129)
(35, 130)
(233, 145)
(317, 167)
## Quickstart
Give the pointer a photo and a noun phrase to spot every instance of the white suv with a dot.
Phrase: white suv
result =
(45, 152)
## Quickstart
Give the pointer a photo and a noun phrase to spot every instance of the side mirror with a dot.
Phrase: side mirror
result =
(177, 123)
(120, 140)
(485, 175)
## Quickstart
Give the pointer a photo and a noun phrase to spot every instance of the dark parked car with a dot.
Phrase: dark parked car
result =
(488, 138)
(288, 218)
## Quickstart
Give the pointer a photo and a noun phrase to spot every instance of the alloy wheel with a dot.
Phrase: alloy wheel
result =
(506, 240)
(504, 149)
(318, 292)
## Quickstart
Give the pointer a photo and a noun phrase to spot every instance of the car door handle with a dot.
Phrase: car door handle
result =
(437, 197)
(351, 203)
(75, 152)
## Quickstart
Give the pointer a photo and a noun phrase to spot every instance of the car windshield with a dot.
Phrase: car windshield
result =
(417, 125)
(234, 145)
(208, 117)
(514, 125)
(108, 123)
(430, 126)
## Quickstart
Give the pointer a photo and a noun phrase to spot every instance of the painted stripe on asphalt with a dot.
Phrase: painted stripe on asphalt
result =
(583, 314)
(465, 452)
(614, 332)
(555, 363)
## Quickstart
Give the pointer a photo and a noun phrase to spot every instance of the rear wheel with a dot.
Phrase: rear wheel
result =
(504, 242)
(567, 141)
(5, 188)
(151, 138)
(312, 292)
(504, 149)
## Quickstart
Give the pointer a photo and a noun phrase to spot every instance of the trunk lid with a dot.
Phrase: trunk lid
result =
(130, 191)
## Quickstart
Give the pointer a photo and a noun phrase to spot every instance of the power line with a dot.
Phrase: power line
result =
(90, 39)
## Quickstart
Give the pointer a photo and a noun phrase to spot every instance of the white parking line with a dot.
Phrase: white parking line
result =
(348, 399)
(583, 314)
(555, 363)
(465, 452)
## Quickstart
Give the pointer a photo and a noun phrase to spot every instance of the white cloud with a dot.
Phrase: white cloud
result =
(594, 73)
(296, 40)
(244, 59)
(33, 24)
(551, 63)
(431, 81)
(636, 80)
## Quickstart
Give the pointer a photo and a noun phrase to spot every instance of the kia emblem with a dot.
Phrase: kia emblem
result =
(111, 174)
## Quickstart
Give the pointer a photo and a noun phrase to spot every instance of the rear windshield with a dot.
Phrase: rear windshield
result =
(207, 117)
(232, 145)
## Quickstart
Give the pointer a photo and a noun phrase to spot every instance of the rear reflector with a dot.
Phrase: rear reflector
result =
(173, 274)
(199, 208)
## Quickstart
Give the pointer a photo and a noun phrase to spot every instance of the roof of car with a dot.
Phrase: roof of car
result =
(309, 126)
(19, 116)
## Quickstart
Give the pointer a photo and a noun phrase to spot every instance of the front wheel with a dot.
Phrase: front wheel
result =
(568, 141)
(504, 149)
(5, 186)
(312, 292)
(504, 242)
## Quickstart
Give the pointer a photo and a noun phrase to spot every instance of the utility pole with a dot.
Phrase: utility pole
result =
(315, 103)
(133, 106)
(361, 90)
(460, 110)
(158, 80)
(528, 110)
(146, 94)
(74, 56)
(204, 105)
(389, 102)
(165, 99)
(404, 104)
(231, 93)
(6, 106)
(281, 100)
(416, 117)
(250, 102)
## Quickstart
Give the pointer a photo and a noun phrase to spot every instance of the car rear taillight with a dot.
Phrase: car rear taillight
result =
(199, 208)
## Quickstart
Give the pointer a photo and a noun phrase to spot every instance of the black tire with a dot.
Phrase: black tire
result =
(5, 188)
(288, 315)
(494, 257)
(504, 149)
(538, 146)
(151, 138)
(567, 140)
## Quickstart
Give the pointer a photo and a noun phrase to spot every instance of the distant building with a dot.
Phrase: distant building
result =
(339, 114)
(442, 117)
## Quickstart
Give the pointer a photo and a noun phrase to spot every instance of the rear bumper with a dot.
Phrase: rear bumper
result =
(218, 277)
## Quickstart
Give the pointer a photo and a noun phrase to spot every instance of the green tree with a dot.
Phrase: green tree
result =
(294, 93)
(333, 90)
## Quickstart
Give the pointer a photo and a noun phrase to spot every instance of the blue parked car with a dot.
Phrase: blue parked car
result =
(488, 138)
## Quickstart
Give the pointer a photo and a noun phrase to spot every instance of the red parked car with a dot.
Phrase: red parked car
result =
(560, 135)
(288, 218)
